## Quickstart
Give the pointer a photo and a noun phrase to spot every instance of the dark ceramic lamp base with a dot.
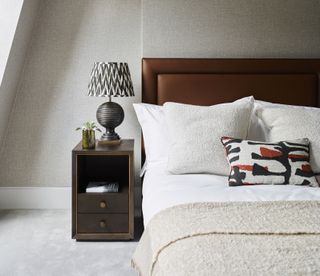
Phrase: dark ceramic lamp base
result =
(110, 115)
(110, 135)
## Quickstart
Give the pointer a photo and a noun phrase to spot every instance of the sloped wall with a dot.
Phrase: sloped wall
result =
(68, 37)
(16, 23)
(9, 16)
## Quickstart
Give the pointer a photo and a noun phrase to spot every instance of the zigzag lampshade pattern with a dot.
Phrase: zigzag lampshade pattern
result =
(110, 79)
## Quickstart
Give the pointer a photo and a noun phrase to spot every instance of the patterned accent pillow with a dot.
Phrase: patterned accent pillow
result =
(253, 162)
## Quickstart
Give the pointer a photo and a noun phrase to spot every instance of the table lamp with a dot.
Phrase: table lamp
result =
(110, 79)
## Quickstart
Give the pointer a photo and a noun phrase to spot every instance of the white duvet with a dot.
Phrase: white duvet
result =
(162, 190)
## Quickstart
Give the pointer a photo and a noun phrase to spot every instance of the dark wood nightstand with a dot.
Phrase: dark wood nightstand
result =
(103, 216)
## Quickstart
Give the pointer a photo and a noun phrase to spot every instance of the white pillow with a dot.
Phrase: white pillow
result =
(155, 133)
(293, 123)
(258, 130)
(195, 133)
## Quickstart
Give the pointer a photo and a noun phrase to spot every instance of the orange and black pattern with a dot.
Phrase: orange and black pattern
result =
(285, 162)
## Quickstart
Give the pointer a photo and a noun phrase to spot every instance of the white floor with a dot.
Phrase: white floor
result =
(38, 242)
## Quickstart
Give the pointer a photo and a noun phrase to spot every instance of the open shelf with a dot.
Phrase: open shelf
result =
(113, 168)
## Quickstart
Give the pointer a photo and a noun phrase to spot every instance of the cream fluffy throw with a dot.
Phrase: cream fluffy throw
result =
(237, 238)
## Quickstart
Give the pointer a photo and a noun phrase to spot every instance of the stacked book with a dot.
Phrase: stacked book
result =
(102, 187)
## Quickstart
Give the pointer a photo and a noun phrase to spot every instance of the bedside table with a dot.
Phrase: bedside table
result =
(103, 216)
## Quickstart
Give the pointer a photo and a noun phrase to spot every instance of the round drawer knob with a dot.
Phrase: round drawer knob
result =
(103, 204)
(102, 224)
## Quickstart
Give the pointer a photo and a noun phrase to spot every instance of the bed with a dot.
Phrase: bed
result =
(195, 224)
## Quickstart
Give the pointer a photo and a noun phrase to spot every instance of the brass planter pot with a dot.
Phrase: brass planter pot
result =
(88, 139)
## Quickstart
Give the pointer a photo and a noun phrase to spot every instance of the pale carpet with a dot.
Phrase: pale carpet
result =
(38, 242)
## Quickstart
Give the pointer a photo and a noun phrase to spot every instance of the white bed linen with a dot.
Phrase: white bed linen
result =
(162, 190)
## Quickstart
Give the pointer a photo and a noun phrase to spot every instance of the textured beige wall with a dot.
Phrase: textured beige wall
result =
(68, 37)
(231, 28)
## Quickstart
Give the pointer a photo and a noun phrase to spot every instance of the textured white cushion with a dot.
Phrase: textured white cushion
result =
(258, 130)
(154, 128)
(195, 133)
(294, 123)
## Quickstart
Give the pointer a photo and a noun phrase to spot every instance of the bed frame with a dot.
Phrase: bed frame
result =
(213, 81)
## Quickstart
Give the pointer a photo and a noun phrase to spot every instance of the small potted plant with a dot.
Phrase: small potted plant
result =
(88, 135)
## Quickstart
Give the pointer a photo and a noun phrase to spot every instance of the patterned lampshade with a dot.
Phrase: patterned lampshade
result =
(110, 79)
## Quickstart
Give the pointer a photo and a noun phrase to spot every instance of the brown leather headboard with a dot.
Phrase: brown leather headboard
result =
(212, 81)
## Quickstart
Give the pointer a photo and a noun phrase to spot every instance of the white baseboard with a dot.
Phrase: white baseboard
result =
(35, 197)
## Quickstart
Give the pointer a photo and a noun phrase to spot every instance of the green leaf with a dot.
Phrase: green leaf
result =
(89, 126)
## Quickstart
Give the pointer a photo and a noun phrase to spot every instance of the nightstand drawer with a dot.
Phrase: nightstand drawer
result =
(104, 203)
(103, 223)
